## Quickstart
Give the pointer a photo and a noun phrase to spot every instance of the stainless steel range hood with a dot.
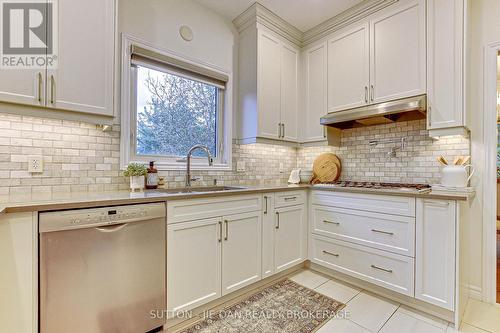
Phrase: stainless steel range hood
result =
(405, 109)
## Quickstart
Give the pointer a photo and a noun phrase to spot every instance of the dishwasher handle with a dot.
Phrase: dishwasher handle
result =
(112, 228)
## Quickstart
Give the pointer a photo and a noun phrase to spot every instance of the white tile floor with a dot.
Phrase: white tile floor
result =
(368, 313)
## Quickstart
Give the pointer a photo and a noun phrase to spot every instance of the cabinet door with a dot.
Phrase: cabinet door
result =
(316, 85)
(290, 237)
(23, 86)
(269, 86)
(289, 92)
(445, 21)
(193, 263)
(268, 235)
(83, 80)
(241, 253)
(397, 59)
(19, 272)
(348, 74)
(435, 252)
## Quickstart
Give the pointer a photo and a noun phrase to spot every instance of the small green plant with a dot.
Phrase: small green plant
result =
(135, 169)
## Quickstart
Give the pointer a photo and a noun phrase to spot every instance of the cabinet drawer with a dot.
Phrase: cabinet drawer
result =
(388, 270)
(388, 204)
(290, 198)
(194, 209)
(382, 231)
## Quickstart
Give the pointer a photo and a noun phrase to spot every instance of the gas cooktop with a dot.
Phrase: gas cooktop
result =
(393, 187)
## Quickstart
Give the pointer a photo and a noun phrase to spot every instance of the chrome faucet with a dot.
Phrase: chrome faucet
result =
(188, 164)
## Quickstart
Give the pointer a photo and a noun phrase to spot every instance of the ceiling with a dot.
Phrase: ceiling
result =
(316, 11)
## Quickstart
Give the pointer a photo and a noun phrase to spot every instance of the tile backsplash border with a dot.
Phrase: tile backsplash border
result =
(81, 157)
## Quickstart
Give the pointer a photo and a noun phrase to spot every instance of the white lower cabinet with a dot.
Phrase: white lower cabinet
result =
(268, 228)
(388, 270)
(241, 249)
(212, 256)
(436, 252)
(289, 237)
(284, 231)
(194, 250)
(19, 272)
(404, 244)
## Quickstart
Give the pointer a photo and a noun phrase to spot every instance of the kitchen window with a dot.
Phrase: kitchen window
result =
(174, 105)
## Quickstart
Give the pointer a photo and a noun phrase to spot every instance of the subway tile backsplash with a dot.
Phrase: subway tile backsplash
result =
(416, 163)
(80, 157)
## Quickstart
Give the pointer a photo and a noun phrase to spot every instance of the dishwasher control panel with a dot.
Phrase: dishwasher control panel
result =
(71, 219)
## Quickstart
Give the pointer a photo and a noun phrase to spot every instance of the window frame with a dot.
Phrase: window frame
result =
(128, 142)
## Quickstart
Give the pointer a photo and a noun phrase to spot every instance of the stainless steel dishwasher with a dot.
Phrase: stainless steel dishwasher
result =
(102, 270)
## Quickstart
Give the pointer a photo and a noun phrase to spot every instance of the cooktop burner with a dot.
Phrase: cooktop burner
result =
(404, 187)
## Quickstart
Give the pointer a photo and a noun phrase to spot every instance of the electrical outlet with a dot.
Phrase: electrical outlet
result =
(35, 164)
(240, 166)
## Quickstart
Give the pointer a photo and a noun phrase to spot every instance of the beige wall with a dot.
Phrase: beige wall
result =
(484, 28)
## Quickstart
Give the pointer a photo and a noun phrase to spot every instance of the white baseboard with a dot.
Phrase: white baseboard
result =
(475, 292)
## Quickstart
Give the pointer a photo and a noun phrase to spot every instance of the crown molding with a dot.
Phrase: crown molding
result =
(343, 19)
(258, 14)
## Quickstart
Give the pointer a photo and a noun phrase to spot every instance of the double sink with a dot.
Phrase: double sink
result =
(205, 189)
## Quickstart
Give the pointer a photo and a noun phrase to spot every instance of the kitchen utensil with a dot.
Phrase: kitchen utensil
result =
(326, 168)
(442, 160)
(305, 176)
(456, 160)
(465, 160)
(456, 175)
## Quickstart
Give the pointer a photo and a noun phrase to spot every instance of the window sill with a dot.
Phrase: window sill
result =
(182, 166)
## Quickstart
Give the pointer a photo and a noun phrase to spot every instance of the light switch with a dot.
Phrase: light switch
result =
(35, 164)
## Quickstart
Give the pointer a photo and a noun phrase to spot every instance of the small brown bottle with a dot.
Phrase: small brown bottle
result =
(152, 177)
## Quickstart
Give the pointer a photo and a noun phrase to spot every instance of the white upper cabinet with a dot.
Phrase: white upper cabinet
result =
(268, 87)
(289, 92)
(83, 81)
(397, 52)
(445, 66)
(83, 78)
(348, 73)
(315, 92)
(23, 86)
(379, 59)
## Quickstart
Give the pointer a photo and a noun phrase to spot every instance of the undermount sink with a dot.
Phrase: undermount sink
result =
(199, 189)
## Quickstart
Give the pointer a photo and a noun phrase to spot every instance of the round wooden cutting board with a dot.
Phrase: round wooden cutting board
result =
(326, 168)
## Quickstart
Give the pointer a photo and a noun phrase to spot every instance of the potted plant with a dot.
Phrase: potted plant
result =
(136, 172)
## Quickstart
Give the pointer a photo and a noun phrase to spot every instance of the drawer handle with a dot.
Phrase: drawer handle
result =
(277, 220)
(265, 199)
(290, 198)
(332, 254)
(382, 269)
(437, 203)
(383, 232)
(331, 222)
(227, 230)
(220, 231)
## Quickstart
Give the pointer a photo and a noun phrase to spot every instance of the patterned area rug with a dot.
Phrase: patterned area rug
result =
(285, 307)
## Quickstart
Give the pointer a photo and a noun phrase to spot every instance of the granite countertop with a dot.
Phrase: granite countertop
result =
(76, 200)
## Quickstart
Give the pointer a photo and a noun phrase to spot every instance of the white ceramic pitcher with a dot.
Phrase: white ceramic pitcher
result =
(456, 175)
